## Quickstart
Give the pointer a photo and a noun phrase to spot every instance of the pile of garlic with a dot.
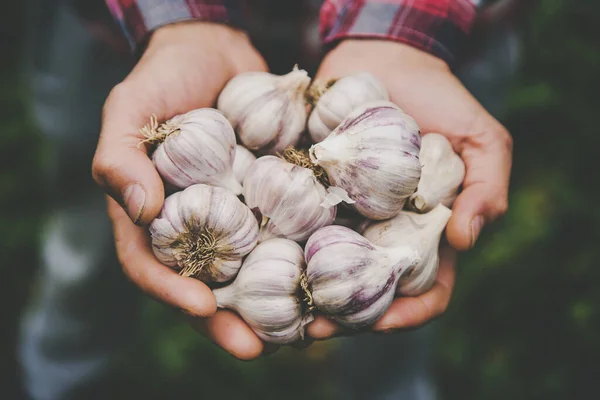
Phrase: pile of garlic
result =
(301, 229)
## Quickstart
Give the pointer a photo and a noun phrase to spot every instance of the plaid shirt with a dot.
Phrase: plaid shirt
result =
(439, 27)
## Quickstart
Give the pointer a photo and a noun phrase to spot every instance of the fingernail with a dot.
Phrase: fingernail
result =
(134, 198)
(476, 226)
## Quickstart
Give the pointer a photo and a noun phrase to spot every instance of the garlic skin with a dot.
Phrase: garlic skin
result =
(418, 231)
(195, 147)
(268, 293)
(352, 280)
(339, 100)
(267, 111)
(288, 198)
(204, 231)
(242, 161)
(374, 156)
(442, 173)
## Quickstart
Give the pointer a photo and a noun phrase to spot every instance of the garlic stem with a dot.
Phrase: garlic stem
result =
(296, 81)
(225, 296)
(229, 181)
(418, 203)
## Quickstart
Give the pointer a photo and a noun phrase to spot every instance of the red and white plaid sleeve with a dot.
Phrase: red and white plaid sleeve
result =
(439, 27)
(139, 17)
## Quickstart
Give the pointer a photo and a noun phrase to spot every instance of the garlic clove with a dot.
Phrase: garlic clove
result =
(374, 156)
(442, 173)
(267, 111)
(338, 100)
(268, 292)
(287, 197)
(242, 161)
(352, 280)
(421, 232)
(204, 231)
(195, 147)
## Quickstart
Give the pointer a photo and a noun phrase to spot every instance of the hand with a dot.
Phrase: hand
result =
(425, 88)
(184, 67)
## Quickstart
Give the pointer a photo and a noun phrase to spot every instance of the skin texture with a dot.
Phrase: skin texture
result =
(177, 72)
(425, 88)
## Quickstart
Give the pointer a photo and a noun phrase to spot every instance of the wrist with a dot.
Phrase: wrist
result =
(381, 55)
(218, 44)
(194, 33)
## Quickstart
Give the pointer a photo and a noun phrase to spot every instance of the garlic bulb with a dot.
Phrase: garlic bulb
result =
(418, 231)
(242, 161)
(267, 111)
(374, 156)
(195, 147)
(287, 197)
(442, 173)
(204, 231)
(352, 280)
(268, 292)
(339, 100)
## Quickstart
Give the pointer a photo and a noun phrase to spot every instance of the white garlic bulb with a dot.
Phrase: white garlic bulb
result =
(242, 161)
(442, 173)
(374, 156)
(267, 111)
(340, 99)
(195, 147)
(268, 292)
(418, 231)
(204, 231)
(287, 197)
(352, 280)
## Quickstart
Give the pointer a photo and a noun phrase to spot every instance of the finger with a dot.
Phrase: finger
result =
(413, 312)
(322, 328)
(159, 281)
(227, 330)
(488, 160)
(121, 166)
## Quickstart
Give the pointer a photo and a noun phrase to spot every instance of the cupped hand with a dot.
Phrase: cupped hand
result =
(426, 89)
(184, 67)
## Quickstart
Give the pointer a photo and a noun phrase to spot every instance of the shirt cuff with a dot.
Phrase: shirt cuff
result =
(138, 18)
(439, 27)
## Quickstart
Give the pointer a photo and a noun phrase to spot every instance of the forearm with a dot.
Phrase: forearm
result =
(439, 27)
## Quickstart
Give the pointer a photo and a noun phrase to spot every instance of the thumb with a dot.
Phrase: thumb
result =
(122, 167)
(484, 198)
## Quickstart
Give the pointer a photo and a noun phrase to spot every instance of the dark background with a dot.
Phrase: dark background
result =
(524, 322)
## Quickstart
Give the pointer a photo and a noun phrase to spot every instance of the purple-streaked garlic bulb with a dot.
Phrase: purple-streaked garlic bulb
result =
(336, 99)
(269, 292)
(287, 198)
(374, 156)
(242, 161)
(352, 280)
(195, 147)
(421, 232)
(203, 232)
(267, 111)
(442, 173)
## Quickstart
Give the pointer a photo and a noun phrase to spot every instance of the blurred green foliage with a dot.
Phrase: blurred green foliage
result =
(525, 318)
(22, 204)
